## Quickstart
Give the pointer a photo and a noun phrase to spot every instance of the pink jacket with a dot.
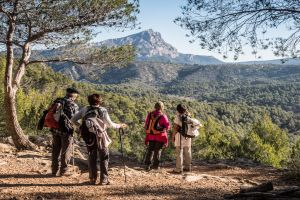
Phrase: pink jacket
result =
(163, 121)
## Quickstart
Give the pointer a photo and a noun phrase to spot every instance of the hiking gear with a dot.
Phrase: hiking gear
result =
(164, 122)
(105, 182)
(153, 126)
(189, 126)
(154, 153)
(148, 168)
(184, 126)
(67, 111)
(41, 122)
(187, 169)
(122, 133)
(92, 182)
(59, 115)
(93, 128)
(72, 90)
(174, 171)
(73, 156)
(52, 116)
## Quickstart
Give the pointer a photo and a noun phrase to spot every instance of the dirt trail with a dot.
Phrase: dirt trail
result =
(24, 175)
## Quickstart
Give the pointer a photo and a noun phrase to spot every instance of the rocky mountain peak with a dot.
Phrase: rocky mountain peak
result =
(148, 44)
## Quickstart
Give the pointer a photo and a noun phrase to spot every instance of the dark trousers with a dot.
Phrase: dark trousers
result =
(61, 146)
(104, 159)
(154, 153)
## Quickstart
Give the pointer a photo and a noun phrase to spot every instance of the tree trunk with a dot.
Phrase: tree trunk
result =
(12, 124)
(13, 127)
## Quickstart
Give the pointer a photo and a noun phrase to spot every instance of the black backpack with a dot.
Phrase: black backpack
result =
(89, 138)
(68, 111)
(184, 127)
(41, 121)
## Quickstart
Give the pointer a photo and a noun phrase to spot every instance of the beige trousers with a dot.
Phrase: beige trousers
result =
(183, 158)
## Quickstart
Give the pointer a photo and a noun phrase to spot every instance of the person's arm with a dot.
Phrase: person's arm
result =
(166, 123)
(175, 130)
(146, 121)
(111, 124)
(78, 116)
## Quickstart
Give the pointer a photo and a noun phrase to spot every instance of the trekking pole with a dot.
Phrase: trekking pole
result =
(121, 133)
(162, 160)
(73, 162)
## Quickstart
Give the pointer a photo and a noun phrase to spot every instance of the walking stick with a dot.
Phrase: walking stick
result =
(73, 162)
(121, 133)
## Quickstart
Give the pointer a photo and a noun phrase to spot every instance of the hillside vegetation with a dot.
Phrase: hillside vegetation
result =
(231, 130)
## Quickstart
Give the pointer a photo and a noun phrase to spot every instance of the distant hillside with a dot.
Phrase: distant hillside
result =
(151, 46)
(288, 61)
(160, 67)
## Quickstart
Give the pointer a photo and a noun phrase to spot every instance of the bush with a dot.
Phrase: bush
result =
(267, 143)
(294, 163)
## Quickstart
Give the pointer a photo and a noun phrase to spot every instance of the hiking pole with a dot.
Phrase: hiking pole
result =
(121, 133)
(73, 162)
(144, 156)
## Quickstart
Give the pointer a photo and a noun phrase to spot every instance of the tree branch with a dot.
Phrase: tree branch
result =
(58, 60)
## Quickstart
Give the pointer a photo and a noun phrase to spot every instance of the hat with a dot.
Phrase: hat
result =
(72, 90)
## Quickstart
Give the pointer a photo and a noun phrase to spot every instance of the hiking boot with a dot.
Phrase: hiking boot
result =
(175, 171)
(65, 172)
(187, 169)
(92, 182)
(148, 168)
(53, 174)
(104, 182)
(155, 168)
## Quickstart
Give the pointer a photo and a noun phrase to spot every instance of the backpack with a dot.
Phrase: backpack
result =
(41, 122)
(189, 127)
(59, 114)
(53, 114)
(93, 128)
(153, 125)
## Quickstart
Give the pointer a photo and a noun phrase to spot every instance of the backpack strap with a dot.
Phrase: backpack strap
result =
(152, 124)
(97, 110)
(149, 118)
(184, 127)
(157, 120)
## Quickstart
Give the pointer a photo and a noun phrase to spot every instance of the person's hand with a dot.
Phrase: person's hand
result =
(124, 125)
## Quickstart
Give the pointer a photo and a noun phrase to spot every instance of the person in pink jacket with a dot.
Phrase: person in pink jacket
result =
(156, 126)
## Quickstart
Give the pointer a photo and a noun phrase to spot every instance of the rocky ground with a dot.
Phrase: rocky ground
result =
(25, 175)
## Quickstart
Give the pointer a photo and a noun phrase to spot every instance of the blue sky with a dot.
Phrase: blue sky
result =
(159, 15)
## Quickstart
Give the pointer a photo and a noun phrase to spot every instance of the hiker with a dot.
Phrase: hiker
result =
(58, 120)
(185, 128)
(94, 122)
(156, 126)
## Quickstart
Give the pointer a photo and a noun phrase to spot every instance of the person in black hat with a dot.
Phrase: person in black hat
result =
(63, 110)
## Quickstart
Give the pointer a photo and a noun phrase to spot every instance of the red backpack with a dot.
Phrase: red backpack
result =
(51, 119)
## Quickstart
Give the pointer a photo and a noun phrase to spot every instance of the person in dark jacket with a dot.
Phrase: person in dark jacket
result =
(62, 141)
(156, 126)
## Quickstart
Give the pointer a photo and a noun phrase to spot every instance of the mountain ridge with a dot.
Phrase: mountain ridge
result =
(151, 46)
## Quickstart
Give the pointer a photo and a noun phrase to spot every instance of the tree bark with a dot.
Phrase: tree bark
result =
(14, 129)
(12, 124)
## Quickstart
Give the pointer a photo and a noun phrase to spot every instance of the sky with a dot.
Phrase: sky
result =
(159, 15)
